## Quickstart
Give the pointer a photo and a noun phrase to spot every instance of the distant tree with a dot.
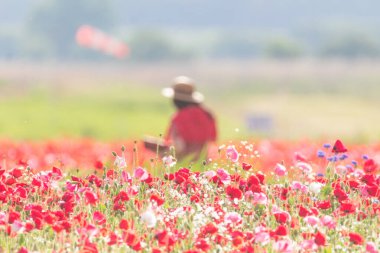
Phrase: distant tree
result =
(150, 45)
(56, 21)
(9, 45)
(235, 46)
(282, 48)
(352, 45)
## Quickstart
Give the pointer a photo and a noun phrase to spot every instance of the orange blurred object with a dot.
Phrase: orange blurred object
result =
(90, 37)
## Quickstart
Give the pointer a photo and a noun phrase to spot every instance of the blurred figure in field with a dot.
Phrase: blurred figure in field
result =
(192, 127)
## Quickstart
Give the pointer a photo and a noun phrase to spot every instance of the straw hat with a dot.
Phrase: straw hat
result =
(183, 89)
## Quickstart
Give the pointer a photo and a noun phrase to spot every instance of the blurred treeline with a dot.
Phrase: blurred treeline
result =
(183, 30)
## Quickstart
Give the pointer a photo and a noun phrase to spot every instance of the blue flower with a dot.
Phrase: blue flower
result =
(355, 163)
(332, 158)
(342, 157)
(320, 154)
(326, 145)
(365, 157)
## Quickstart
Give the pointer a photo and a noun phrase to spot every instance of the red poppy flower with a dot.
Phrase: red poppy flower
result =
(234, 192)
(373, 190)
(320, 239)
(23, 250)
(90, 197)
(13, 216)
(347, 207)
(339, 147)
(98, 165)
(99, 218)
(281, 230)
(356, 238)
(303, 212)
(281, 217)
(202, 245)
(340, 194)
(209, 228)
(368, 179)
(162, 237)
(369, 166)
(124, 224)
(89, 247)
(16, 173)
(159, 201)
(323, 204)
(246, 166)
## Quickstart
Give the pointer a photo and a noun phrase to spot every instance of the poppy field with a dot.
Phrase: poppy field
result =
(264, 196)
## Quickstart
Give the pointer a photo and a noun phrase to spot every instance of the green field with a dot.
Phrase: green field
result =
(303, 99)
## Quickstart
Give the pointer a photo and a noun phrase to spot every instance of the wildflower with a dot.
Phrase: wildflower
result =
(340, 194)
(169, 161)
(305, 167)
(91, 197)
(326, 145)
(280, 170)
(141, 174)
(339, 147)
(23, 250)
(282, 216)
(232, 153)
(311, 220)
(120, 162)
(259, 198)
(281, 230)
(124, 224)
(149, 218)
(223, 176)
(315, 187)
(99, 218)
(234, 192)
(296, 185)
(309, 246)
(284, 246)
(232, 218)
(303, 212)
(371, 248)
(356, 238)
(369, 166)
(320, 154)
(320, 239)
(323, 204)
(246, 166)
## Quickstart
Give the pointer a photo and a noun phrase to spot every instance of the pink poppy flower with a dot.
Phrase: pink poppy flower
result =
(371, 248)
(232, 153)
(224, 176)
(99, 218)
(305, 167)
(280, 170)
(312, 220)
(284, 246)
(141, 174)
(232, 218)
(120, 162)
(309, 246)
(296, 185)
(259, 198)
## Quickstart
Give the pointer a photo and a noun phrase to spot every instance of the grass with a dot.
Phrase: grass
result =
(300, 100)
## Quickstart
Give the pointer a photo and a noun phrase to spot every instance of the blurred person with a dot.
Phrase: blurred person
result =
(192, 127)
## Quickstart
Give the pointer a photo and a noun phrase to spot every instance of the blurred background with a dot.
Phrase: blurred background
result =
(288, 69)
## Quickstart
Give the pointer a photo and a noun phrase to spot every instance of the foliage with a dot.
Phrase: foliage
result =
(57, 21)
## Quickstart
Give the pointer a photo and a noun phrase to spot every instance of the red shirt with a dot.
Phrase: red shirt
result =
(194, 125)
